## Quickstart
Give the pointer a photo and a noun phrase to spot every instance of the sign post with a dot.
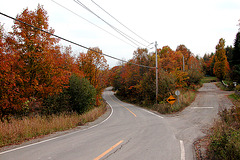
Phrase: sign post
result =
(177, 92)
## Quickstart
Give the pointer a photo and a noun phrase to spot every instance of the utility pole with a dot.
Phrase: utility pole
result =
(183, 64)
(156, 73)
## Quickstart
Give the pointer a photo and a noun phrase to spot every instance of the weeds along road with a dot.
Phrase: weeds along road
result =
(131, 133)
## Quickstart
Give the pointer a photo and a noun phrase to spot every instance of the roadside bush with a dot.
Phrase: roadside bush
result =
(225, 136)
(57, 103)
(166, 85)
(195, 77)
(238, 87)
(82, 94)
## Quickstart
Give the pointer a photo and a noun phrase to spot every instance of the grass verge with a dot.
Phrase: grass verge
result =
(185, 99)
(209, 79)
(222, 87)
(27, 128)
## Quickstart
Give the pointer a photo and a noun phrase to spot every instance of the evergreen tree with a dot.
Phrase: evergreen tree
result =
(229, 54)
(236, 59)
(236, 50)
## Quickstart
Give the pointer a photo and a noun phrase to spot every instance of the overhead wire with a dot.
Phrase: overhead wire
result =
(92, 23)
(77, 44)
(134, 41)
(120, 22)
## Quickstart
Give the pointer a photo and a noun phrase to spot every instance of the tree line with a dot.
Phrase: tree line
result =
(177, 69)
(225, 62)
(38, 75)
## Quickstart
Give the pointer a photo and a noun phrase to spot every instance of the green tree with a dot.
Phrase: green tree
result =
(236, 59)
(221, 66)
(82, 94)
(236, 50)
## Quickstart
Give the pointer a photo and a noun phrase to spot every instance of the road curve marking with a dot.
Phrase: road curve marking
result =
(123, 106)
(68, 134)
(182, 150)
(109, 150)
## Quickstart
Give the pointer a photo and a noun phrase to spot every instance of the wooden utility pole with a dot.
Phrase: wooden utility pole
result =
(156, 73)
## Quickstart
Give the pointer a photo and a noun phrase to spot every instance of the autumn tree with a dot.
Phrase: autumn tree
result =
(185, 52)
(169, 59)
(39, 56)
(92, 64)
(221, 66)
(10, 98)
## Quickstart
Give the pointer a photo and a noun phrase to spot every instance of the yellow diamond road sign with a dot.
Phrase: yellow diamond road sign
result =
(171, 100)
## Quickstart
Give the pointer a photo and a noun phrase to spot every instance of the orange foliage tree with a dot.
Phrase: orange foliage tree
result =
(33, 66)
(39, 62)
(10, 99)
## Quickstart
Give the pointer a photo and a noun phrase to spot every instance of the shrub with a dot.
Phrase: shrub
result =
(166, 85)
(224, 139)
(57, 103)
(238, 87)
(195, 77)
(82, 94)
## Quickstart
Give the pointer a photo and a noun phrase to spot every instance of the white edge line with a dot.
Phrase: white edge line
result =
(59, 136)
(152, 113)
(182, 150)
(202, 107)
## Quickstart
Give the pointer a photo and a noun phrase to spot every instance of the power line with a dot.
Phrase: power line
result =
(92, 23)
(73, 42)
(114, 28)
(120, 22)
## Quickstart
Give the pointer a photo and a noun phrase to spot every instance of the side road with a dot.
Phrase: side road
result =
(191, 123)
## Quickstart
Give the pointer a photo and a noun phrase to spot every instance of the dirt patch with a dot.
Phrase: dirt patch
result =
(200, 147)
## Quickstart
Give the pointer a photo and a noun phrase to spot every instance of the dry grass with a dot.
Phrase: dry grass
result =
(28, 128)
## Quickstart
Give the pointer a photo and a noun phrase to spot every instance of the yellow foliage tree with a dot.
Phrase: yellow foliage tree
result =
(221, 66)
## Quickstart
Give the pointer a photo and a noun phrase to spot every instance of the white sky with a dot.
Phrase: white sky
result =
(197, 24)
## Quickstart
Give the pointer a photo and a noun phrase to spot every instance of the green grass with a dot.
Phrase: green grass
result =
(19, 130)
(235, 97)
(209, 79)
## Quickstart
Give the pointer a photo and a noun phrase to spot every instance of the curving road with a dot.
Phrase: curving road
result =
(129, 132)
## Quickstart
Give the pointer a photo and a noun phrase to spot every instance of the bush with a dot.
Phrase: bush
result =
(57, 103)
(194, 77)
(82, 94)
(225, 136)
(166, 85)
(238, 87)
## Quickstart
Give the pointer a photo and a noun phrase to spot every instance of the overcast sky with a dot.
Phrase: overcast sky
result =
(197, 24)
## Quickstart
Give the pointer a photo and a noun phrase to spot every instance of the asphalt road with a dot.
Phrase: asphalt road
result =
(130, 133)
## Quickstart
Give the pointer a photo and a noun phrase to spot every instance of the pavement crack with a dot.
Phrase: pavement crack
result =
(118, 149)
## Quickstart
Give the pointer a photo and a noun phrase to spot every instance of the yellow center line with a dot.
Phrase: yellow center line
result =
(123, 106)
(107, 151)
